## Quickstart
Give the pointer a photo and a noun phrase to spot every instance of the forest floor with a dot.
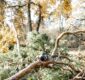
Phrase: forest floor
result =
(78, 56)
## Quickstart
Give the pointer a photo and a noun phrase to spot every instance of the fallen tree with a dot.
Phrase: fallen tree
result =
(51, 60)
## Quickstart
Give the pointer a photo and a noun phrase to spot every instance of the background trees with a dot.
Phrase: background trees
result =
(27, 15)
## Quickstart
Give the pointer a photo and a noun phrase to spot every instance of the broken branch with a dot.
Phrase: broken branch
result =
(37, 64)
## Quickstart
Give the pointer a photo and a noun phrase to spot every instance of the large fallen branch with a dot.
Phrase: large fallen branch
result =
(38, 64)
(55, 50)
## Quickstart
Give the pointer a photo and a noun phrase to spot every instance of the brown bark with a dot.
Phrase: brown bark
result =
(55, 51)
(37, 64)
(79, 76)
(29, 16)
(39, 21)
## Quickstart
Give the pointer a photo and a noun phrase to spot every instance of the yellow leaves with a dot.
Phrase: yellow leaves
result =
(4, 49)
(56, 14)
(12, 41)
(45, 1)
(45, 4)
(6, 38)
(67, 7)
(52, 2)
(1, 36)
(64, 8)
(43, 7)
(1, 17)
(19, 12)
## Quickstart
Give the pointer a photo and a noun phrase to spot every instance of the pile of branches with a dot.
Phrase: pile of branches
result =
(46, 60)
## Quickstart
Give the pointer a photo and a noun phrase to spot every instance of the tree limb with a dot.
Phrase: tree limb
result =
(37, 64)
(79, 76)
(55, 50)
(20, 6)
(14, 6)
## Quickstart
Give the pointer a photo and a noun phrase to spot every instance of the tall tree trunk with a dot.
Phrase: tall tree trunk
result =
(29, 16)
(39, 20)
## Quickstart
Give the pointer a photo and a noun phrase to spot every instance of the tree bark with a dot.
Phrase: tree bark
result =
(55, 50)
(39, 21)
(38, 64)
(29, 16)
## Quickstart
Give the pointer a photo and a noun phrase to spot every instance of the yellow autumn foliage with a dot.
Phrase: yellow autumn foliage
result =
(44, 5)
(52, 2)
(67, 8)
(7, 38)
(64, 8)
(43, 8)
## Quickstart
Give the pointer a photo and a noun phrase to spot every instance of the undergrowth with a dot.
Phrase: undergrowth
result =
(11, 62)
